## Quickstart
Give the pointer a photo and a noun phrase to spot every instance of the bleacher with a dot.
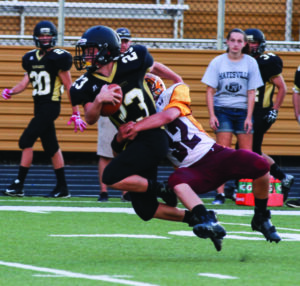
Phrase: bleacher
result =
(282, 139)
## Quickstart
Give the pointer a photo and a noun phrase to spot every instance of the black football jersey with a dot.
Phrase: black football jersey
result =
(297, 80)
(270, 65)
(43, 73)
(128, 72)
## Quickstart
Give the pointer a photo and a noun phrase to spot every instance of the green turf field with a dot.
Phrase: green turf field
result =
(78, 241)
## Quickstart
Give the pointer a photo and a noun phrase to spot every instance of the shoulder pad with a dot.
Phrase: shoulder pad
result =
(269, 59)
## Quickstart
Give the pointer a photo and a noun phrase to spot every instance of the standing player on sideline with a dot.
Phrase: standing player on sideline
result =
(107, 131)
(48, 70)
(265, 112)
(200, 161)
(296, 101)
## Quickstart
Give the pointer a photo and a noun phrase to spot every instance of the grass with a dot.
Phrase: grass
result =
(32, 241)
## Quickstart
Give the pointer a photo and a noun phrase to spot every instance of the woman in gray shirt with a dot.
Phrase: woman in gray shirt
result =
(232, 79)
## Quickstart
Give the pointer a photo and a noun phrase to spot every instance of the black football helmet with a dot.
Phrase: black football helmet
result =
(45, 28)
(98, 46)
(256, 35)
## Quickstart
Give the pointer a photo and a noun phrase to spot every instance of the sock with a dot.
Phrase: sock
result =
(22, 174)
(276, 172)
(153, 187)
(195, 216)
(260, 205)
(187, 216)
(60, 176)
(199, 211)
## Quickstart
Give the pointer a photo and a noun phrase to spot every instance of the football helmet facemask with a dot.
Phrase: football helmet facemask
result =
(98, 46)
(256, 35)
(45, 28)
(155, 84)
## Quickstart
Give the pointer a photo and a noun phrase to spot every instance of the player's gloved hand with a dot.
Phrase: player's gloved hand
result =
(271, 116)
(6, 93)
(78, 122)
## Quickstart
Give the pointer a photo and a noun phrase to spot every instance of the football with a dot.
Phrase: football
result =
(109, 109)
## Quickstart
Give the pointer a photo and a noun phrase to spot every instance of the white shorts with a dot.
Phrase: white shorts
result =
(106, 133)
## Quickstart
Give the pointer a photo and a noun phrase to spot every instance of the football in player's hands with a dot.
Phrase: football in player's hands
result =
(109, 108)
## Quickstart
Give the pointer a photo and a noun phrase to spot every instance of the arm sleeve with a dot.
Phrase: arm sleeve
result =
(255, 80)
(181, 99)
(64, 62)
(210, 76)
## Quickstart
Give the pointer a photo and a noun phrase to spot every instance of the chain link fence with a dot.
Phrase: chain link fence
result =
(188, 24)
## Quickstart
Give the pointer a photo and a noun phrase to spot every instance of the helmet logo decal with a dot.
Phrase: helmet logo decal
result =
(81, 41)
(44, 30)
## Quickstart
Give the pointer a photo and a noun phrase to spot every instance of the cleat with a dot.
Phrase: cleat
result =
(59, 192)
(168, 196)
(210, 228)
(126, 197)
(217, 243)
(15, 189)
(219, 200)
(103, 197)
(286, 184)
(230, 190)
(293, 203)
(262, 223)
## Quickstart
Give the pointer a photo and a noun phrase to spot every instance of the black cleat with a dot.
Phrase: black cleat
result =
(15, 189)
(168, 196)
(262, 223)
(219, 200)
(286, 184)
(126, 197)
(210, 228)
(293, 203)
(103, 197)
(217, 243)
(59, 192)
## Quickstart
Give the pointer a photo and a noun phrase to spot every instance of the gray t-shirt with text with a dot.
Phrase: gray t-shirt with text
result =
(232, 80)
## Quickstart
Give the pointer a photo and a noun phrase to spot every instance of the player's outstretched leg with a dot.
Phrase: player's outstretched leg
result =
(209, 227)
(262, 222)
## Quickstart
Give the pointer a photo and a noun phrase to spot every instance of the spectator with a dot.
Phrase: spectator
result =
(125, 37)
(47, 69)
(232, 79)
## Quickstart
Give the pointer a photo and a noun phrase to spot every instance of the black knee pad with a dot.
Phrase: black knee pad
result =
(24, 143)
(144, 204)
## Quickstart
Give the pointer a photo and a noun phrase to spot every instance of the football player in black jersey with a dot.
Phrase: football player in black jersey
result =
(296, 102)
(265, 111)
(48, 70)
(135, 167)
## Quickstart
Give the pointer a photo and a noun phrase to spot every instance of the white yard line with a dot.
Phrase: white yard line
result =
(111, 235)
(47, 209)
(219, 276)
(70, 274)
